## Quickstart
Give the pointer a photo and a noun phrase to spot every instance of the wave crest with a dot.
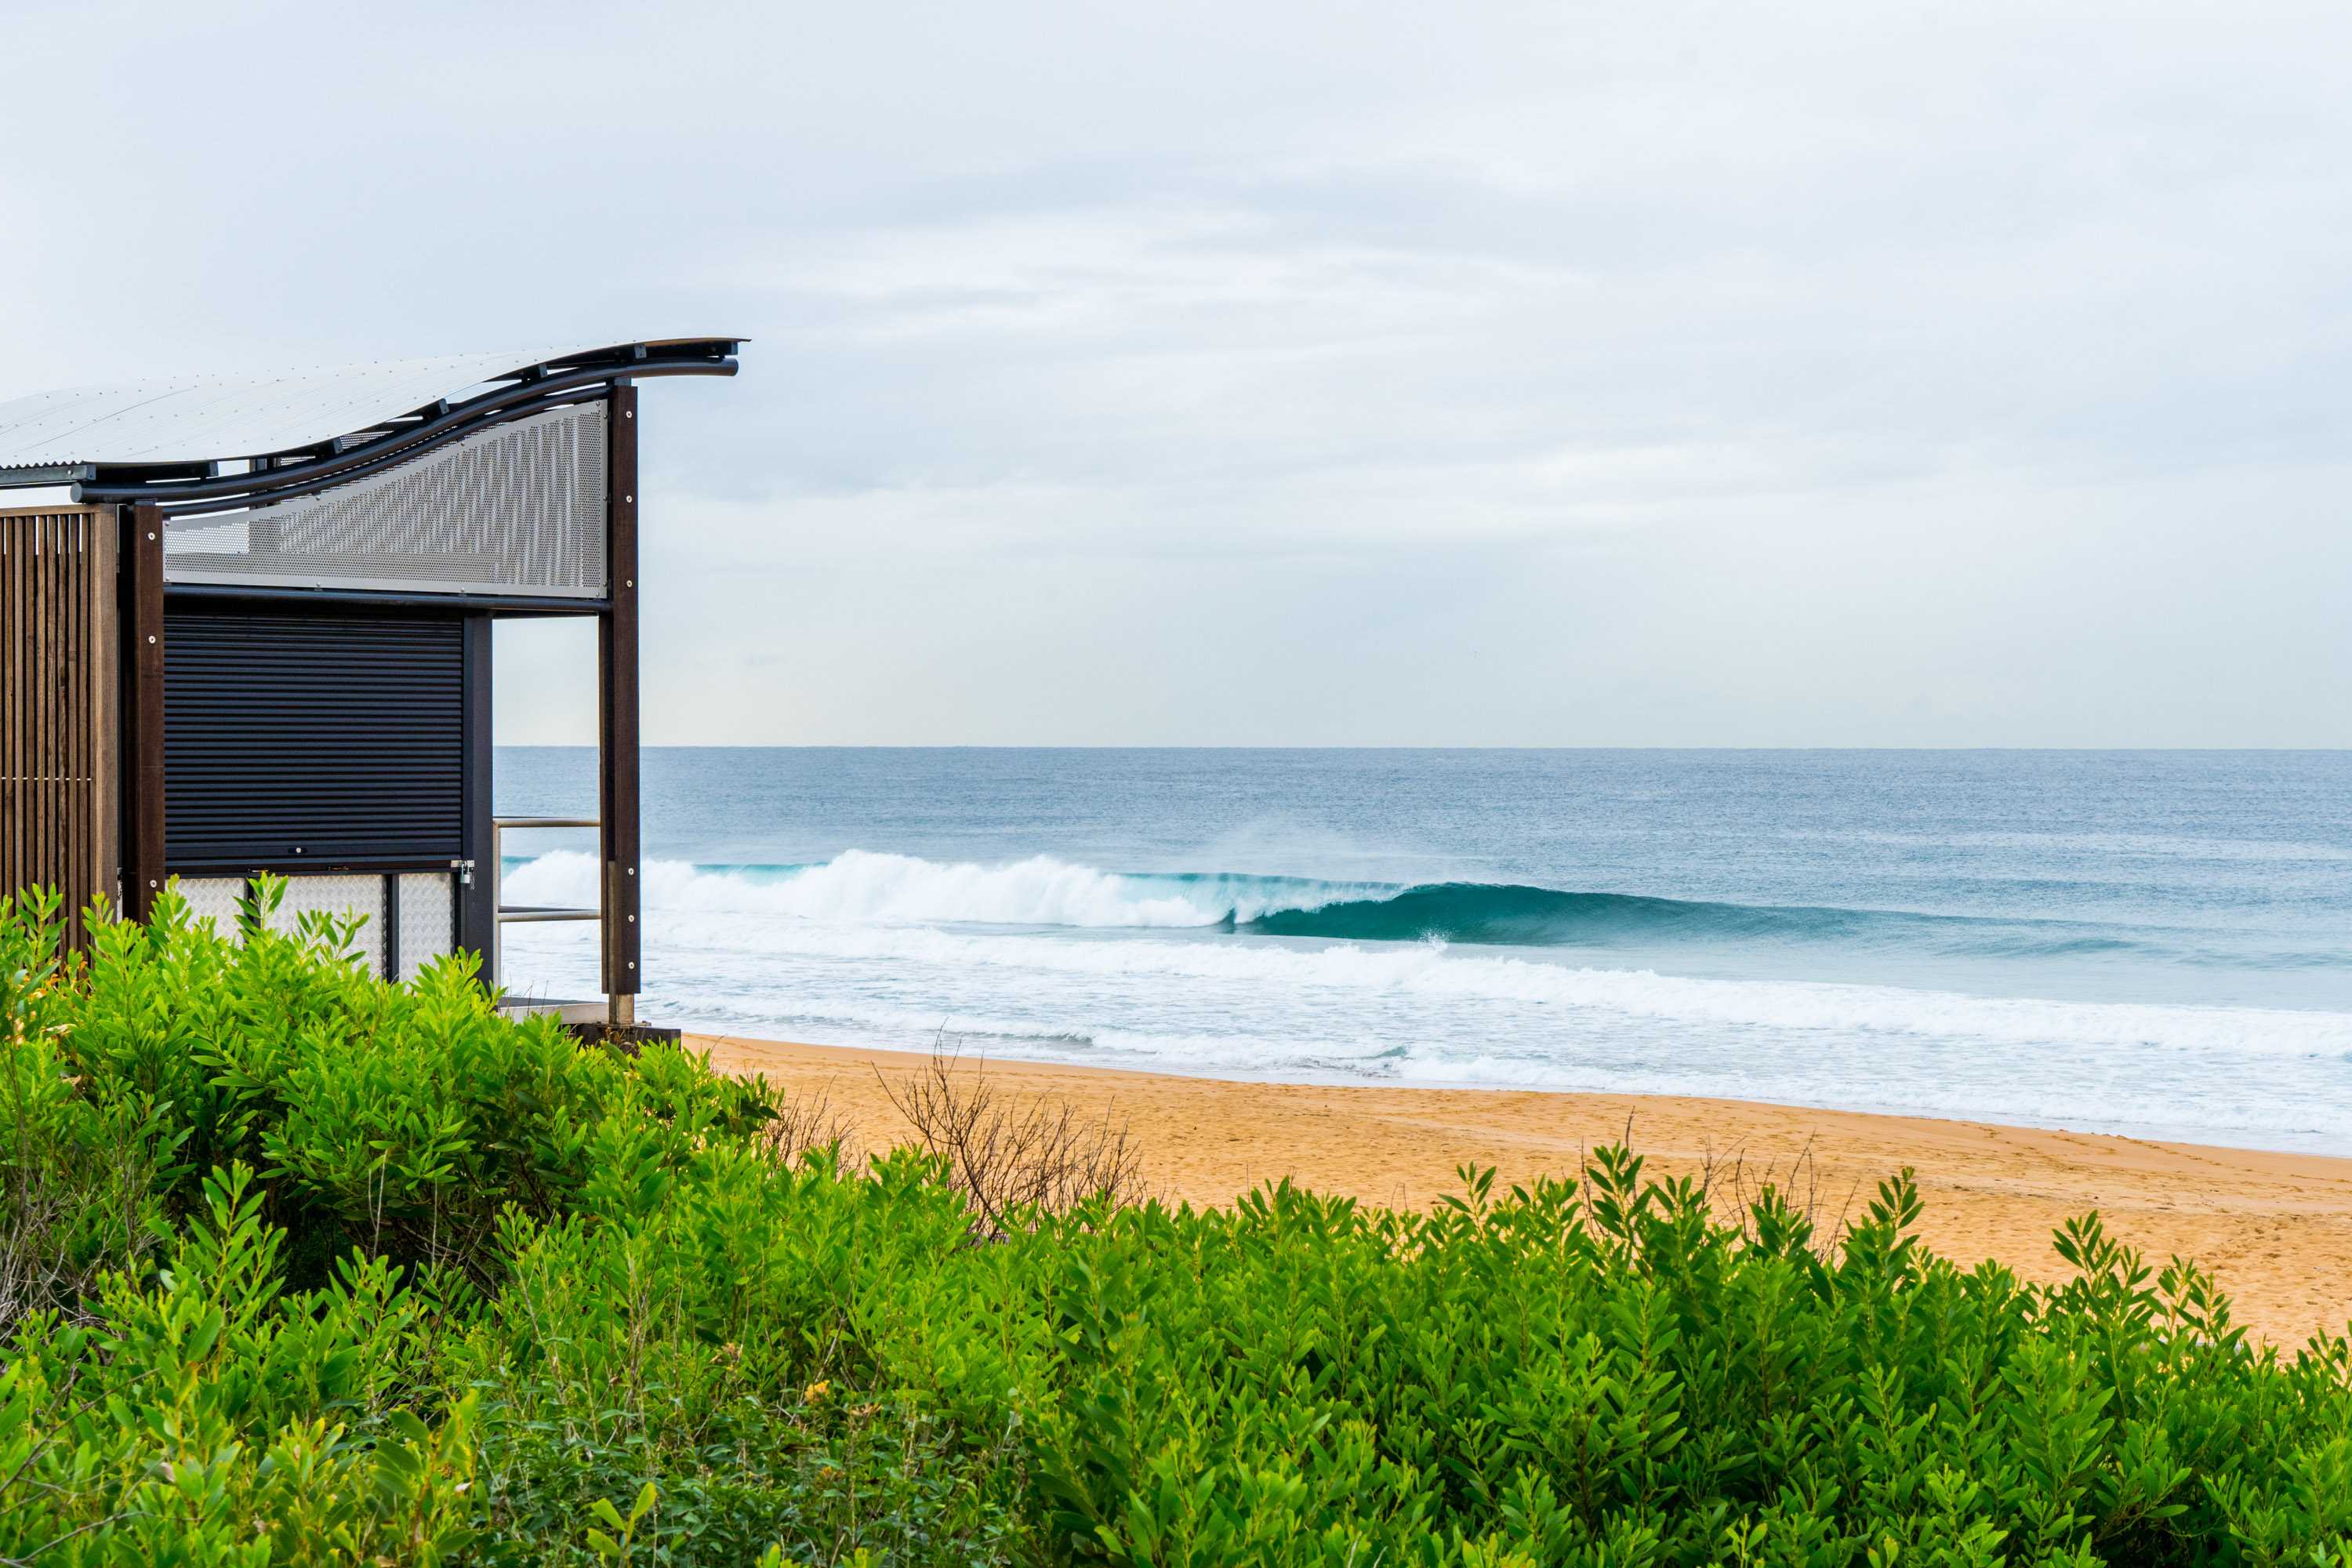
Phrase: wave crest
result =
(863, 887)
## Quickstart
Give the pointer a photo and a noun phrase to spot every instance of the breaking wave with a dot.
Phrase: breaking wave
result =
(1047, 959)
(862, 887)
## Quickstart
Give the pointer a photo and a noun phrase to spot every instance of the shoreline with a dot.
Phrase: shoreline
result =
(2274, 1228)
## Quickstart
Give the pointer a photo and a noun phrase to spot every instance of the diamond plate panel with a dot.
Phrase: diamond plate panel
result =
(214, 898)
(359, 895)
(428, 920)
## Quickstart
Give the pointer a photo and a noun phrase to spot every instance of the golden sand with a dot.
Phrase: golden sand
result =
(2275, 1228)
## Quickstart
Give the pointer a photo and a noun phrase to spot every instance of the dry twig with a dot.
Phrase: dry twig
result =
(1011, 1157)
(804, 1123)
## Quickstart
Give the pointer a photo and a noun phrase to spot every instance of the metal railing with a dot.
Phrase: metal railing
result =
(530, 912)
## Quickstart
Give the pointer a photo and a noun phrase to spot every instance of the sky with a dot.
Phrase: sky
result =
(1659, 374)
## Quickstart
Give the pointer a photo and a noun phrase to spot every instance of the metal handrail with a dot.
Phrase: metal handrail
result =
(506, 913)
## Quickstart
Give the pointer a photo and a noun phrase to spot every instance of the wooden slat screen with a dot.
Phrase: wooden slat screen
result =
(58, 661)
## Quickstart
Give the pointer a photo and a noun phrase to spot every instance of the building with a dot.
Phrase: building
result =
(252, 633)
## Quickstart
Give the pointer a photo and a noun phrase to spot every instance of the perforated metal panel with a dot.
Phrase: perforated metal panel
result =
(428, 920)
(516, 508)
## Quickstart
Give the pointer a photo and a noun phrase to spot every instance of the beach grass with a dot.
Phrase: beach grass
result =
(300, 1265)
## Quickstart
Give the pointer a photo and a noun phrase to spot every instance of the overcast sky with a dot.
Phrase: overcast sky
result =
(1293, 373)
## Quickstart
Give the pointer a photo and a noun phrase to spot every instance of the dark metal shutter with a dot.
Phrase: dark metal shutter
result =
(312, 741)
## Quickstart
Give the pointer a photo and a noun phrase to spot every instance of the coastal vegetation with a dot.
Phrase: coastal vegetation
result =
(298, 1266)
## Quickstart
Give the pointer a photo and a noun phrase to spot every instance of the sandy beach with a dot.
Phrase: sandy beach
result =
(2276, 1228)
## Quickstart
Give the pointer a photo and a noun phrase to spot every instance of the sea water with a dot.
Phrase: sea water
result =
(2154, 944)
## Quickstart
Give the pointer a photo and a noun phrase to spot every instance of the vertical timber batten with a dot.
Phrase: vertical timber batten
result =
(142, 707)
(618, 718)
(106, 531)
(56, 706)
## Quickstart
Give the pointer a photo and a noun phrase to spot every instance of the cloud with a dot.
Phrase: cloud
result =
(1527, 375)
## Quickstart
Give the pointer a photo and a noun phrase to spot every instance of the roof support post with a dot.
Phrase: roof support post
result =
(141, 619)
(477, 889)
(616, 646)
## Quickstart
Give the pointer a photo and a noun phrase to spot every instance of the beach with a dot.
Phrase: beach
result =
(2275, 1228)
(2154, 945)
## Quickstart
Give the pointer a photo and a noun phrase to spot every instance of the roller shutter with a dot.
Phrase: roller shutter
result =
(300, 742)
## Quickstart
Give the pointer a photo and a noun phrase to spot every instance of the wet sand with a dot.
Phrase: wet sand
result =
(2276, 1229)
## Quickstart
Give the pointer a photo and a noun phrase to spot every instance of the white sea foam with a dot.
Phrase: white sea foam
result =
(1432, 971)
(863, 887)
(862, 915)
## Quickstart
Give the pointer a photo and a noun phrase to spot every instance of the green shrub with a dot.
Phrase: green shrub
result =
(305, 1267)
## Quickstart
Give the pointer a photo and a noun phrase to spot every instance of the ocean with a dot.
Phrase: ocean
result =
(2152, 944)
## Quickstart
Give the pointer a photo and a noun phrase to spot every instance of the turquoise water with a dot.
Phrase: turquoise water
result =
(2149, 942)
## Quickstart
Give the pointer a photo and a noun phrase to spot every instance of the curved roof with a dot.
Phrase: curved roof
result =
(203, 419)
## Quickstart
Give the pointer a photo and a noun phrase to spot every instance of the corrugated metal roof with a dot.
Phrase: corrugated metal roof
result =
(210, 418)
